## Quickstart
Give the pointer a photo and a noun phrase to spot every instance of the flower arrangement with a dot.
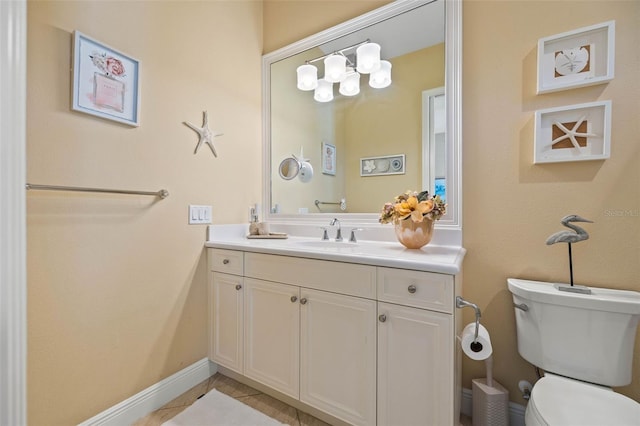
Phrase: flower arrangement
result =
(414, 205)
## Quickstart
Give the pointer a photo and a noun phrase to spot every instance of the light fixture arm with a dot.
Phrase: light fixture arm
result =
(338, 52)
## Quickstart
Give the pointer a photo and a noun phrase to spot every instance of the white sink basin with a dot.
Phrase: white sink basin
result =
(319, 244)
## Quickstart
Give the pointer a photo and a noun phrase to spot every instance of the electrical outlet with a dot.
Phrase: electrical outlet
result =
(199, 214)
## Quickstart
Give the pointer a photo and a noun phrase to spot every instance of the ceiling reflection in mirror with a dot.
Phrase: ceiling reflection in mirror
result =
(369, 147)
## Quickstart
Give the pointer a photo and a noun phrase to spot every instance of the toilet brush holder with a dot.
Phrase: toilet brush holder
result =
(490, 403)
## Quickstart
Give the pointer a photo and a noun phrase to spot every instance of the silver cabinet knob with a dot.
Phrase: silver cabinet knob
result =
(382, 318)
(303, 301)
(238, 286)
(294, 298)
(411, 289)
(225, 262)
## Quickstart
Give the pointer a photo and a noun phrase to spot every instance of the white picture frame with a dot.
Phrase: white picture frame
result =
(105, 81)
(382, 166)
(577, 132)
(328, 159)
(578, 58)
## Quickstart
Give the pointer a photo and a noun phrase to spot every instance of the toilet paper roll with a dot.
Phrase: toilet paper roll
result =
(479, 350)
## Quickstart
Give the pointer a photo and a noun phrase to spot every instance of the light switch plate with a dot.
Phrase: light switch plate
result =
(199, 214)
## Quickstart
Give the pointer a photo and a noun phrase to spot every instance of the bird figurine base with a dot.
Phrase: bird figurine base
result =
(573, 289)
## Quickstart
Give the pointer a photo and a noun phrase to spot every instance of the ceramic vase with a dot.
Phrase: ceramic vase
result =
(414, 235)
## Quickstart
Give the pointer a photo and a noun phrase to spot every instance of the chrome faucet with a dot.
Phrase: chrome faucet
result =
(333, 222)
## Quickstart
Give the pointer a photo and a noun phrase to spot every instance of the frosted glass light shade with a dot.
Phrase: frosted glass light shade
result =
(368, 58)
(350, 86)
(382, 77)
(324, 91)
(307, 77)
(335, 68)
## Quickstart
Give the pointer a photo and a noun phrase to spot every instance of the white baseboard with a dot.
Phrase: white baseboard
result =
(153, 397)
(516, 411)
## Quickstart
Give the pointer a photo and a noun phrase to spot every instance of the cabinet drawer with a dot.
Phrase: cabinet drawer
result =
(345, 278)
(227, 261)
(413, 288)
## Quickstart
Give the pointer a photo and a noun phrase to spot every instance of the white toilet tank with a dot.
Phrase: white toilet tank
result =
(588, 337)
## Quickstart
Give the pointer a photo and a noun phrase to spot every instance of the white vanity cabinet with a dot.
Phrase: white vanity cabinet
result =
(416, 341)
(365, 344)
(328, 336)
(226, 313)
(338, 355)
(272, 335)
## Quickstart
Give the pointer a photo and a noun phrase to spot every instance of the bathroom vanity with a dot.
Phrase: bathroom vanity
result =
(365, 332)
(358, 333)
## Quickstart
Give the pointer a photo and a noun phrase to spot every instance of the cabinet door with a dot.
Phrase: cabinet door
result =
(338, 355)
(272, 330)
(226, 320)
(415, 366)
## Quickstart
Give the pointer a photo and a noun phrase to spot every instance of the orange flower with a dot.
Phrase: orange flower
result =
(414, 205)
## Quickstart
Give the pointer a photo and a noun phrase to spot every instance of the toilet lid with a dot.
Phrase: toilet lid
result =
(563, 401)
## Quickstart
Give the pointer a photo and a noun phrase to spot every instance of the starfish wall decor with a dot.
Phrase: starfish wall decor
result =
(205, 134)
(571, 134)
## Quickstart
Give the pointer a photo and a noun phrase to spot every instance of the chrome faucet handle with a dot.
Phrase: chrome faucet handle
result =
(325, 234)
(352, 238)
(333, 222)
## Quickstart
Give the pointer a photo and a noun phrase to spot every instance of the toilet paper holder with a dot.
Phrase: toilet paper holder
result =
(461, 303)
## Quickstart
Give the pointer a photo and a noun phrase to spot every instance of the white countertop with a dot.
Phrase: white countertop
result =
(431, 258)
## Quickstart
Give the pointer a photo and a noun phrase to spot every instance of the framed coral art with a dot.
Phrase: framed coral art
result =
(105, 81)
(573, 133)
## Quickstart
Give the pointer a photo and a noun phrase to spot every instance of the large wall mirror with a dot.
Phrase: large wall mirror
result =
(369, 147)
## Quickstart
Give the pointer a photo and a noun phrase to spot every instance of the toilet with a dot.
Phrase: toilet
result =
(584, 343)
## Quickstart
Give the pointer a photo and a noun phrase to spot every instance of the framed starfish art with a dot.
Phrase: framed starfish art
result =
(573, 133)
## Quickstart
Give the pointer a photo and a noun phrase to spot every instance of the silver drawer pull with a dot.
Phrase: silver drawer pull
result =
(225, 262)
(521, 306)
(412, 289)
(382, 318)
(293, 299)
(238, 286)
(303, 301)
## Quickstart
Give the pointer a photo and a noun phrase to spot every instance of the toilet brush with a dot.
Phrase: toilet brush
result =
(490, 400)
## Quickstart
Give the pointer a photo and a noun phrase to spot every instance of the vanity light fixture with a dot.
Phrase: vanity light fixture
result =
(307, 77)
(346, 70)
(324, 91)
(335, 68)
(350, 85)
(368, 58)
(382, 77)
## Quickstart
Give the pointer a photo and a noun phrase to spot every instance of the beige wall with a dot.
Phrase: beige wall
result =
(369, 134)
(300, 123)
(117, 284)
(510, 205)
(287, 21)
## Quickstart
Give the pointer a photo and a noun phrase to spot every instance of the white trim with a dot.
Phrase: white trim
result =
(155, 396)
(516, 411)
(13, 277)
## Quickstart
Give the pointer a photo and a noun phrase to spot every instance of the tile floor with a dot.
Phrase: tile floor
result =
(264, 403)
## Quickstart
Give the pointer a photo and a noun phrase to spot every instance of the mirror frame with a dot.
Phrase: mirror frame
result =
(453, 97)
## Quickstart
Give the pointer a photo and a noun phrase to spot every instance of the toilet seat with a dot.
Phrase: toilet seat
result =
(560, 401)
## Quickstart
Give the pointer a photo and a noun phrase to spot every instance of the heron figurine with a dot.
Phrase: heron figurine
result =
(570, 237)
